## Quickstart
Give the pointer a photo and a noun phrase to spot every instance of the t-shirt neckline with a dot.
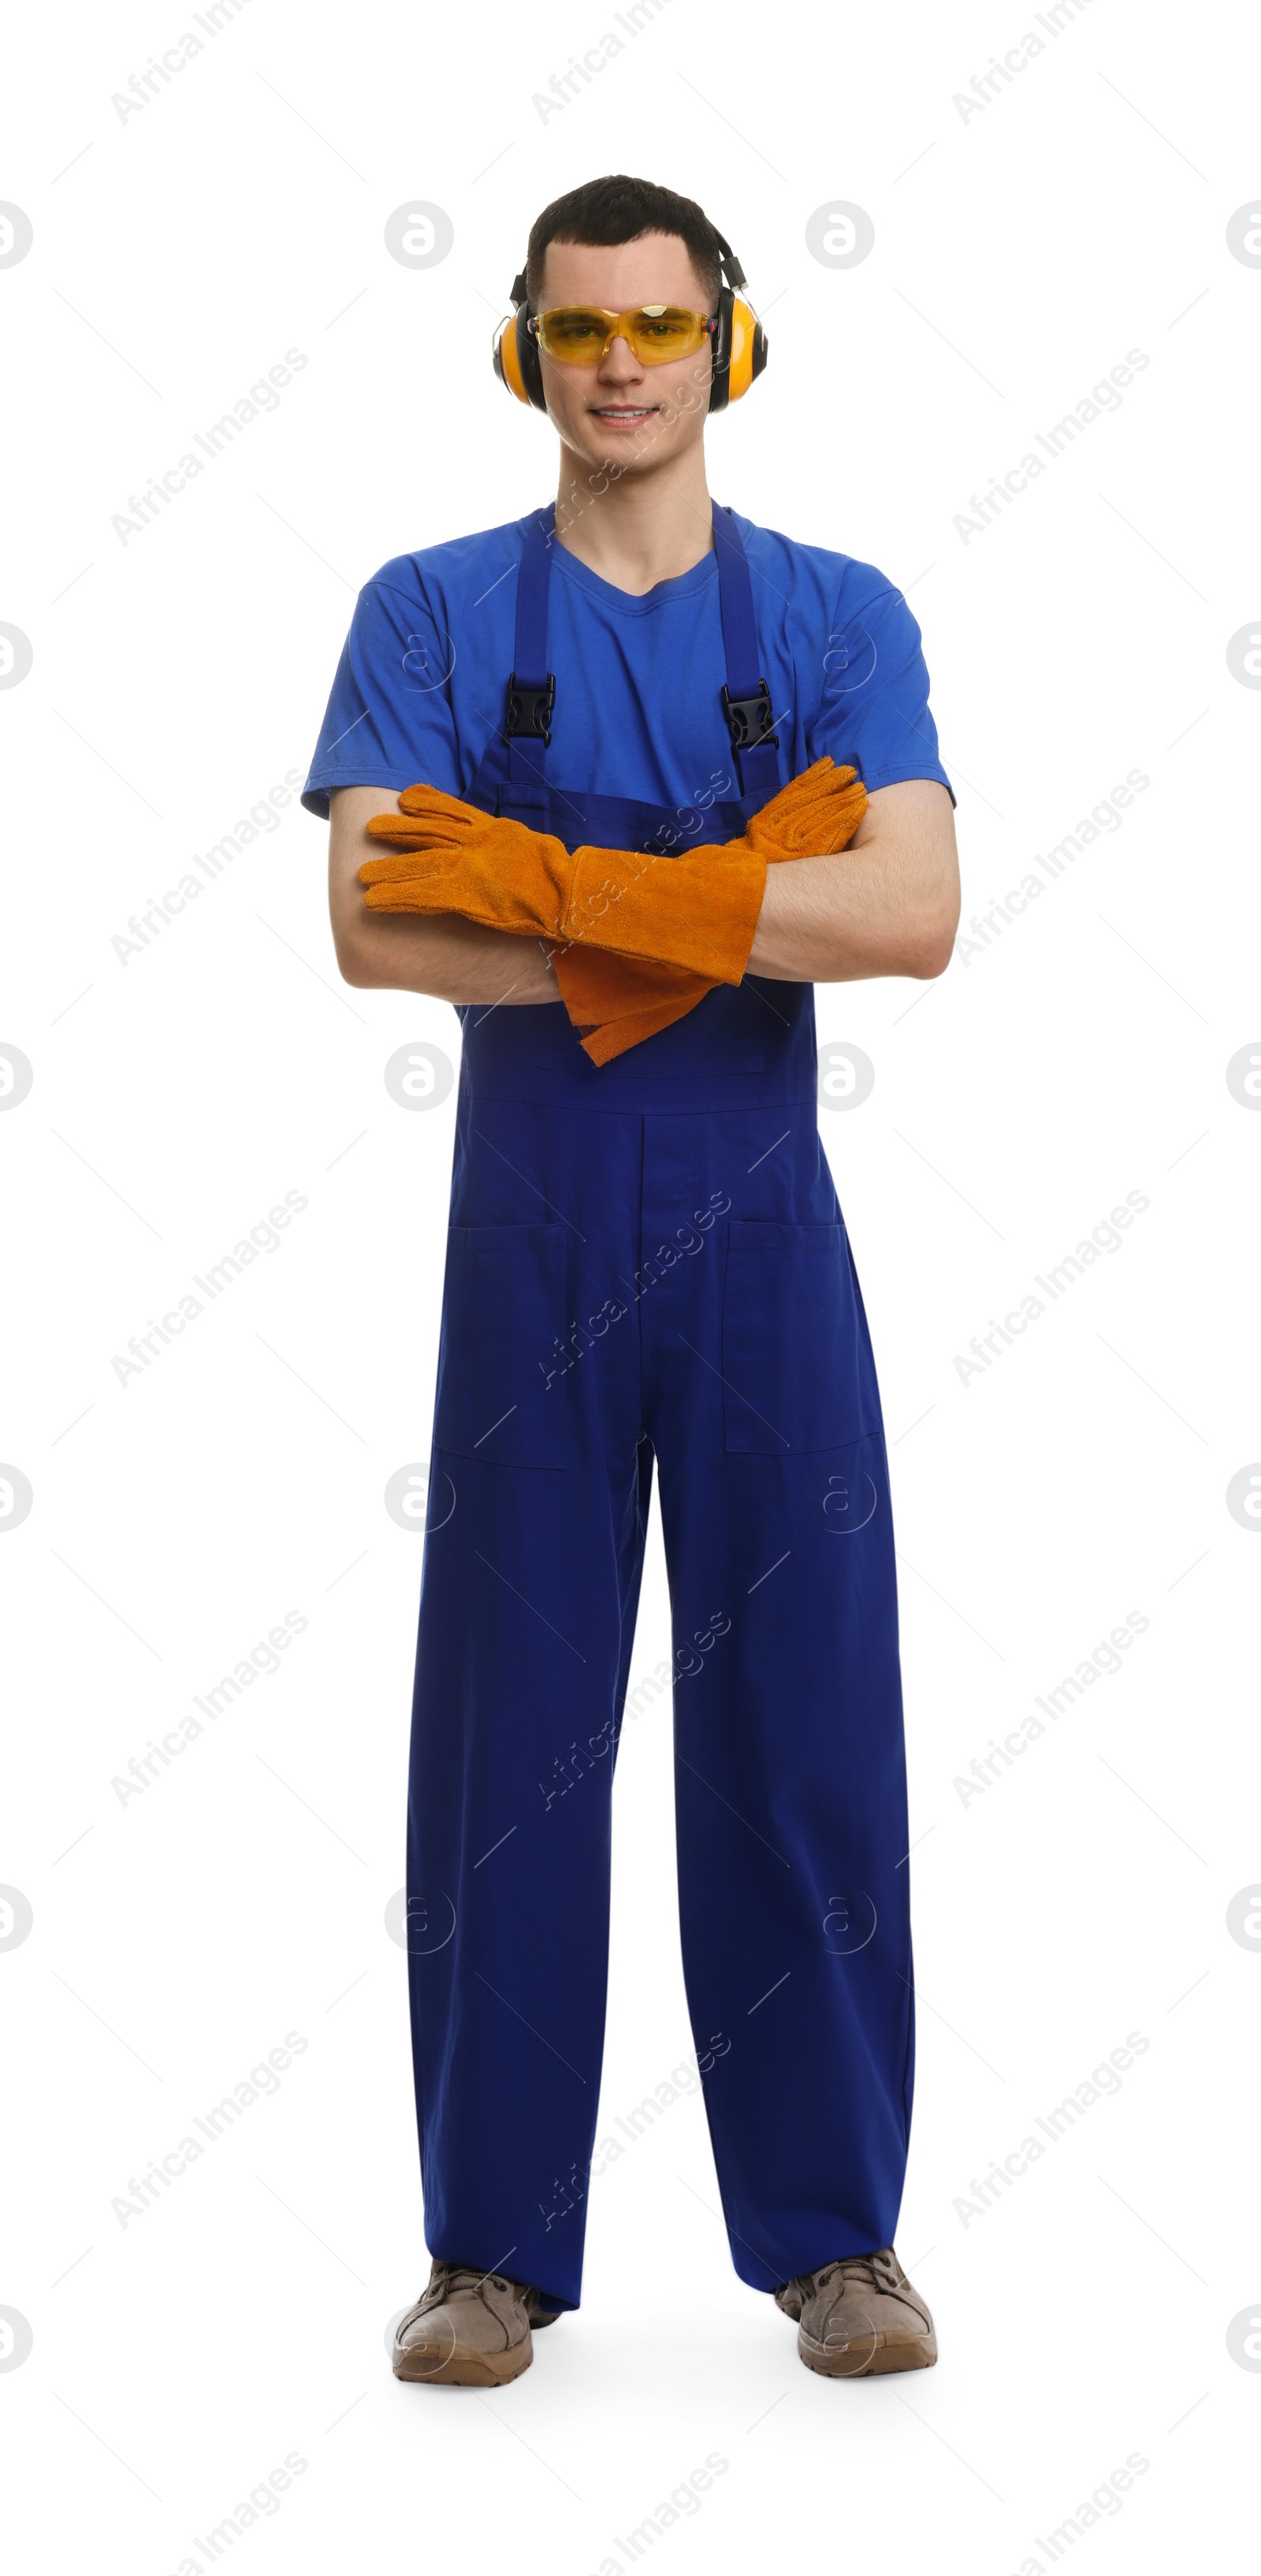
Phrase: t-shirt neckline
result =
(629, 603)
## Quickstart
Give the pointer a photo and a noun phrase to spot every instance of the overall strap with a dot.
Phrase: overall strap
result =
(746, 698)
(532, 687)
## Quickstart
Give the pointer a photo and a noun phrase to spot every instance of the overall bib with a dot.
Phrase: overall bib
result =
(646, 1260)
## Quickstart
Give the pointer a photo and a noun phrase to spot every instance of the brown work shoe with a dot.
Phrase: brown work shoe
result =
(469, 2329)
(859, 2316)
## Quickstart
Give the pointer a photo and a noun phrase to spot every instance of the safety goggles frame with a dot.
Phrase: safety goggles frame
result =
(621, 326)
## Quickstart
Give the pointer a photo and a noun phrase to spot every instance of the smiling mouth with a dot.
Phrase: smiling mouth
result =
(623, 411)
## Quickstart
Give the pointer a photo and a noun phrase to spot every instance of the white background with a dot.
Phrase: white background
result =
(1018, 255)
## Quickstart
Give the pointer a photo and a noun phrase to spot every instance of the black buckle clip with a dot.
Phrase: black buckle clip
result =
(530, 710)
(749, 720)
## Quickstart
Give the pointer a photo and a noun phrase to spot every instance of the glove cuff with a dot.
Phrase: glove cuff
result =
(670, 912)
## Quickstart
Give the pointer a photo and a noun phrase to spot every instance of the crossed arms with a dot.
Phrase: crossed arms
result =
(886, 905)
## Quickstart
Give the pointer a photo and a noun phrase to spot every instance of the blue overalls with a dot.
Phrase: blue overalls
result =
(647, 1260)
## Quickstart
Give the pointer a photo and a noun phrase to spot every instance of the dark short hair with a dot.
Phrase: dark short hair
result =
(607, 211)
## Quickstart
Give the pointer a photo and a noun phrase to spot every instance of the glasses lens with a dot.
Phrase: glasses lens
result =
(575, 333)
(661, 331)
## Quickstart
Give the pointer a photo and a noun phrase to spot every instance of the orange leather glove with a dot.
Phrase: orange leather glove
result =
(698, 911)
(813, 817)
(619, 1002)
(597, 987)
(519, 877)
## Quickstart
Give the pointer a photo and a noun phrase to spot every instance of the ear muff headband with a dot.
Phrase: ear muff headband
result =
(738, 344)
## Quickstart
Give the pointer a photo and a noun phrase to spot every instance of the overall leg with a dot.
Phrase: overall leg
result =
(531, 1580)
(790, 1778)
(791, 1808)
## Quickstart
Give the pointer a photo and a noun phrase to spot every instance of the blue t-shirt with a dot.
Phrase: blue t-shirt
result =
(420, 687)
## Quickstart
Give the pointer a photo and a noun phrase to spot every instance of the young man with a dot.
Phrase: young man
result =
(663, 769)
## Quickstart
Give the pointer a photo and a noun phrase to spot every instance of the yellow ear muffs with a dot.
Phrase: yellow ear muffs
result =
(739, 342)
(507, 363)
(748, 350)
(515, 353)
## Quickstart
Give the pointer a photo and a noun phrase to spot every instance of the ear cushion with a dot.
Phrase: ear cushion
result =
(507, 365)
(516, 361)
(739, 347)
(748, 350)
(530, 371)
(720, 345)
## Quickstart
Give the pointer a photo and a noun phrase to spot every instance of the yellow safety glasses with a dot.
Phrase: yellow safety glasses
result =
(581, 335)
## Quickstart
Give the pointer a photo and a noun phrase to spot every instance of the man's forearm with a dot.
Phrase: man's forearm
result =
(452, 959)
(827, 921)
(832, 921)
(887, 905)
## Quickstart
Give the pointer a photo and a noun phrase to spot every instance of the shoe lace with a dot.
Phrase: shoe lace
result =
(454, 2277)
(875, 2271)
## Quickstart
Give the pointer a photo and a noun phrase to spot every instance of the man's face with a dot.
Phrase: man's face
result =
(619, 411)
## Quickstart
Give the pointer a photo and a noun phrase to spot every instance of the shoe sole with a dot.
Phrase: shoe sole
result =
(427, 2365)
(889, 2353)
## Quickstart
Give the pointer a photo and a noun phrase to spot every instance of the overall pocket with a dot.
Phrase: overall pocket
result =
(796, 1359)
(503, 1306)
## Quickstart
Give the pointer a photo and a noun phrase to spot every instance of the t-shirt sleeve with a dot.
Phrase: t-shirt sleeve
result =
(389, 720)
(873, 708)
